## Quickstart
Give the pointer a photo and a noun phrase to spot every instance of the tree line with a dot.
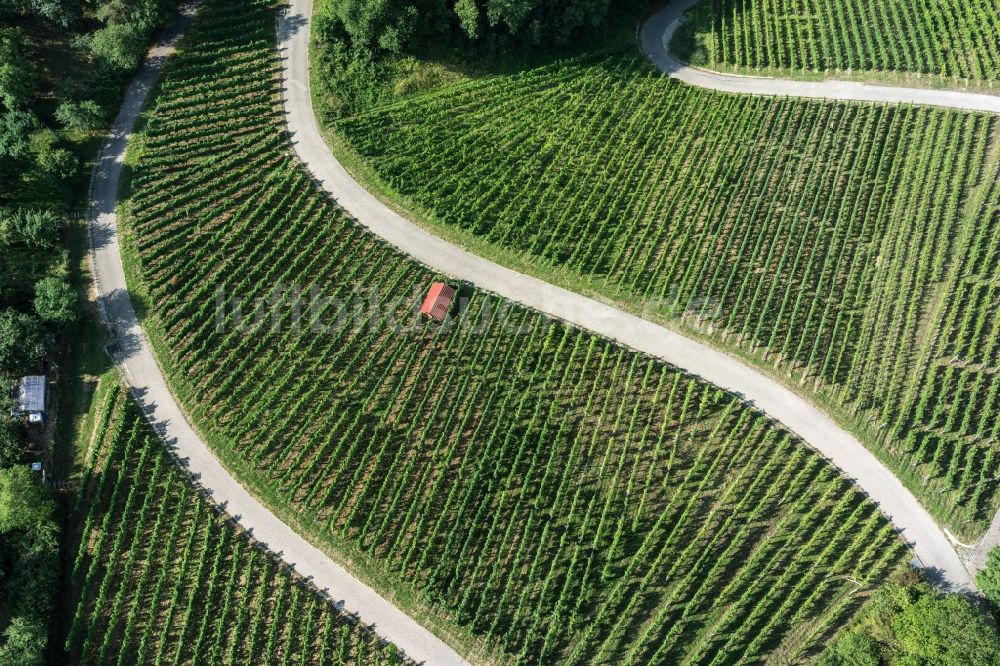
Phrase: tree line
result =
(363, 44)
(63, 65)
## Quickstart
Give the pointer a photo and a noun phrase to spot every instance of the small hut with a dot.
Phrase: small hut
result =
(31, 397)
(438, 301)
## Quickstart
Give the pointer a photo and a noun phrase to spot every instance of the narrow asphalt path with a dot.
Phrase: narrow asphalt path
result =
(660, 28)
(928, 540)
(135, 358)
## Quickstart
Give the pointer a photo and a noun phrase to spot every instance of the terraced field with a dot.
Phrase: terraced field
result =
(954, 39)
(557, 497)
(160, 576)
(835, 242)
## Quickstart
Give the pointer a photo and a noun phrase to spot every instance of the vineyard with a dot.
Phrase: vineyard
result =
(161, 577)
(559, 498)
(821, 234)
(953, 39)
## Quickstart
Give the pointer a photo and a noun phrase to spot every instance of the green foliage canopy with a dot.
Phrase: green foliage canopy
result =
(29, 557)
(55, 301)
(80, 115)
(11, 442)
(15, 73)
(945, 631)
(60, 12)
(913, 625)
(389, 25)
(15, 127)
(21, 341)
(117, 47)
(35, 228)
(24, 504)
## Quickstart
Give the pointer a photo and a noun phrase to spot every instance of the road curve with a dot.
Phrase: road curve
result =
(661, 26)
(136, 361)
(655, 36)
(847, 453)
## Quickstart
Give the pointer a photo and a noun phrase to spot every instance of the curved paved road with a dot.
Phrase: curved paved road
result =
(136, 360)
(655, 38)
(141, 370)
(916, 525)
(660, 27)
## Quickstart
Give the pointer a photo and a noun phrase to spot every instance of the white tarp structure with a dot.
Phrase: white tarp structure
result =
(31, 394)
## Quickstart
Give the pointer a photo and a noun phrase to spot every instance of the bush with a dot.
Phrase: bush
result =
(946, 630)
(910, 624)
(55, 301)
(82, 115)
(853, 648)
(988, 579)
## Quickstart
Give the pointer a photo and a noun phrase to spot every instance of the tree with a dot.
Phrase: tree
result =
(53, 161)
(142, 14)
(15, 128)
(15, 73)
(35, 228)
(375, 25)
(511, 13)
(61, 12)
(531, 21)
(21, 341)
(25, 504)
(24, 643)
(55, 301)
(117, 47)
(83, 115)
(907, 623)
(29, 561)
(468, 17)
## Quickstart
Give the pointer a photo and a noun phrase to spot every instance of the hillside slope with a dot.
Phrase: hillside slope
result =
(556, 496)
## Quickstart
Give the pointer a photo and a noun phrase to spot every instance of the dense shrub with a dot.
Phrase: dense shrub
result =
(908, 623)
